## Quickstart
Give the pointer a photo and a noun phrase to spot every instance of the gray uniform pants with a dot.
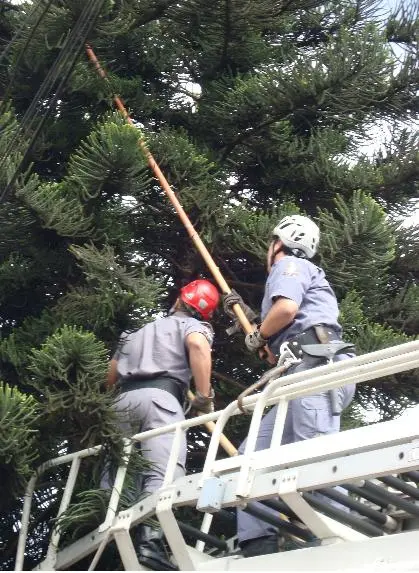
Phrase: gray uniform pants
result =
(307, 417)
(145, 409)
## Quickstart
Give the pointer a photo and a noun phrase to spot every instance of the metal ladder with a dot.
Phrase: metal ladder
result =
(292, 486)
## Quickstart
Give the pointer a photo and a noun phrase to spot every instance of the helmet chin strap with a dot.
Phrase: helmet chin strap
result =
(296, 252)
(184, 307)
(194, 313)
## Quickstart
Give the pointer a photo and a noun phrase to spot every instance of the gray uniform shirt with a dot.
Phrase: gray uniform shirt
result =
(305, 284)
(159, 348)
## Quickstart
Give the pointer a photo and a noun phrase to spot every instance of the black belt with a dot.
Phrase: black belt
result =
(171, 385)
(317, 334)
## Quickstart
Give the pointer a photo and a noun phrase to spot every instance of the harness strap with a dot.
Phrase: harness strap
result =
(320, 341)
(328, 350)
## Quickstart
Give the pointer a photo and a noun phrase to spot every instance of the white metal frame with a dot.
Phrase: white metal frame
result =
(245, 475)
(374, 461)
(396, 553)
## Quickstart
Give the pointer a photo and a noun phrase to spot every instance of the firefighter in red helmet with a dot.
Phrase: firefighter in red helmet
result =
(202, 296)
(153, 367)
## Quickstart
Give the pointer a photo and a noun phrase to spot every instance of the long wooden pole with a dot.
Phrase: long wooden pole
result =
(215, 271)
(247, 327)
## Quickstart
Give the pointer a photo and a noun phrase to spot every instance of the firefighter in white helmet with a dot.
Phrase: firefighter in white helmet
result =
(299, 307)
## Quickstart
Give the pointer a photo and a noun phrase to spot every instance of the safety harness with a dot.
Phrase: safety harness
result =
(320, 342)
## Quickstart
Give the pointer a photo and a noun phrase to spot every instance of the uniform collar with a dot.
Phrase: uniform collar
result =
(180, 313)
(289, 257)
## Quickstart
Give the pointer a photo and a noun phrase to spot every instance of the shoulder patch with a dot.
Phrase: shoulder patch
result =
(209, 331)
(291, 270)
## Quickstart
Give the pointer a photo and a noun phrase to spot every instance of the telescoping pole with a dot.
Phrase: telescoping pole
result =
(247, 327)
(215, 271)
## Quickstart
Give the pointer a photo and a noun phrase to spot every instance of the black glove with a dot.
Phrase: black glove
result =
(203, 404)
(254, 341)
(231, 299)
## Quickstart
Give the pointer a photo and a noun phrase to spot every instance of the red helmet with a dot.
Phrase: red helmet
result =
(202, 296)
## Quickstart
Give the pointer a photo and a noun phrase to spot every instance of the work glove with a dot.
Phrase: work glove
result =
(254, 341)
(229, 300)
(203, 404)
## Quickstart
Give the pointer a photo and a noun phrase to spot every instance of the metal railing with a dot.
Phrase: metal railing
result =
(280, 390)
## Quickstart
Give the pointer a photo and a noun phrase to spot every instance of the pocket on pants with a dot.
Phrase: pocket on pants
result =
(166, 408)
(165, 411)
(315, 417)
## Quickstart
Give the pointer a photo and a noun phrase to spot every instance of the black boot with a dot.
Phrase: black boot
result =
(259, 546)
(151, 550)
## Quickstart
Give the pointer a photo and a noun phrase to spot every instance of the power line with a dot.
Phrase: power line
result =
(26, 24)
(33, 28)
(63, 67)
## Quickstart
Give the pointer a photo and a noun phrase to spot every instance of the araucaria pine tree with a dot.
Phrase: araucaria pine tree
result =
(253, 110)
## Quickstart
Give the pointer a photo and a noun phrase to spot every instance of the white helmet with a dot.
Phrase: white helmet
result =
(300, 233)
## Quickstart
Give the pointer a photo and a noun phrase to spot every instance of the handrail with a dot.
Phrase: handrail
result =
(23, 533)
(296, 384)
(354, 370)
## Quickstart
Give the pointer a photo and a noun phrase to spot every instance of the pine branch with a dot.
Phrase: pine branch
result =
(109, 159)
(69, 371)
(357, 237)
(19, 416)
(402, 26)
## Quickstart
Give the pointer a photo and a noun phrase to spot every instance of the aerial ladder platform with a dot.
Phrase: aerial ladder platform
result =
(349, 501)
